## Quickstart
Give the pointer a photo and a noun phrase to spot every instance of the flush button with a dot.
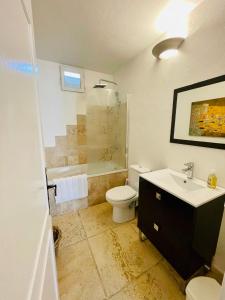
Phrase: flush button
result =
(158, 196)
(156, 227)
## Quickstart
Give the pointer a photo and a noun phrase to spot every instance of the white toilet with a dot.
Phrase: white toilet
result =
(124, 198)
(203, 288)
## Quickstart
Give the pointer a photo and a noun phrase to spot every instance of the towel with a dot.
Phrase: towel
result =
(71, 188)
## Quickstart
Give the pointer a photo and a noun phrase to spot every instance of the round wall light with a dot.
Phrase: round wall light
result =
(167, 48)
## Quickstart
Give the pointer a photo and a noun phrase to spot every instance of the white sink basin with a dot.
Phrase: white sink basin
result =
(183, 183)
(192, 191)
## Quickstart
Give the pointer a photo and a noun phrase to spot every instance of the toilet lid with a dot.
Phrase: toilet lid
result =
(121, 193)
(204, 288)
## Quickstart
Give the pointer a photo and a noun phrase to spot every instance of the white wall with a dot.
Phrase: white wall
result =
(59, 108)
(150, 85)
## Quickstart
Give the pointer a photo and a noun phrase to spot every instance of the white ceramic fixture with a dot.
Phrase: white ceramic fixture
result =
(193, 191)
(124, 198)
(203, 288)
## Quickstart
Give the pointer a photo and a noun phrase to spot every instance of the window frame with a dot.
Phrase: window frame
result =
(66, 68)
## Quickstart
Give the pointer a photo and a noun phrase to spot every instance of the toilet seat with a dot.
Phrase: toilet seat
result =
(121, 193)
(203, 288)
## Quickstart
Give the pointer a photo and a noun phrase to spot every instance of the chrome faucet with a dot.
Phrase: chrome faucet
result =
(189, 169)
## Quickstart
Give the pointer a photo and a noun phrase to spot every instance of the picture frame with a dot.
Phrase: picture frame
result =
(183, 100)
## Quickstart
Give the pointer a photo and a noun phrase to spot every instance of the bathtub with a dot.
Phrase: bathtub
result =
(101, 177)
(91, 169)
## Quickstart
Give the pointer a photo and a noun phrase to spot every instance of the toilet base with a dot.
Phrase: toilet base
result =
(123, 214)
(203, 288)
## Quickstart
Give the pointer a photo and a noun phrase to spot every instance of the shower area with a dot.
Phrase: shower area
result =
(95, 146)
(106, 126)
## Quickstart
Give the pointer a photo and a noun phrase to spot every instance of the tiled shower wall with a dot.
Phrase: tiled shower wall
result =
(101, 136)
(70, 149)
(106, 133)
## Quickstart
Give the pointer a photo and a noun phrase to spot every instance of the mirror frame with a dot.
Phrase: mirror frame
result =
(173, 122)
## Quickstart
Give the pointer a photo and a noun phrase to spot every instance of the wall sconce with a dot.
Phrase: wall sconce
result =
(167, 48)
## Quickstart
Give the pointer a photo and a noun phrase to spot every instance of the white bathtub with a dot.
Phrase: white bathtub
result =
(92, 169)
(95, 169)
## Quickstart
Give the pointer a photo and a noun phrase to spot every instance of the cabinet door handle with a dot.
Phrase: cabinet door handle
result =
(156, 227)
(158, 196)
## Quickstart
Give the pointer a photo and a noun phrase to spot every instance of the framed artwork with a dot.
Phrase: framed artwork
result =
(198, 116)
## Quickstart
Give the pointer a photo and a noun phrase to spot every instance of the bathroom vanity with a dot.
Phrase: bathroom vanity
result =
(181, 218)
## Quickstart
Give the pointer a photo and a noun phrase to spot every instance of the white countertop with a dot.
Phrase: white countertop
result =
(193, 191)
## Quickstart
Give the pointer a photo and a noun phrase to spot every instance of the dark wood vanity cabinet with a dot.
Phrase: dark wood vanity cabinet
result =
(185, 235)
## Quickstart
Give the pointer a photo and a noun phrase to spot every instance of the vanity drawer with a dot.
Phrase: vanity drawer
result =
(151, 198)
(156, 205)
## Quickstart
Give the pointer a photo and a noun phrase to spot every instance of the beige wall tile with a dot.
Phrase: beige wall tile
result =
(81, 119)
(116, 179)
(97, 188)
(71, 142)
(82, 153)
(71, 130)
(99, 185)
(73, 160)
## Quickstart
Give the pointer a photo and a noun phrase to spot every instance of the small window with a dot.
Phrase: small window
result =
(72, 79)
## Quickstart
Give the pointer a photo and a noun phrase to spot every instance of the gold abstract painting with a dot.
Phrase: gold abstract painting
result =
(208, 118)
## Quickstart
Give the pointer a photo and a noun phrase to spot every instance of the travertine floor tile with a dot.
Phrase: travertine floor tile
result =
(121, 257)
(170, 270)
(77, 274)
(97, 219)
(71, 227)
(156, 284)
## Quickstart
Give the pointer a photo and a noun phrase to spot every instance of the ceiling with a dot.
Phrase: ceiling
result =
(99, 35)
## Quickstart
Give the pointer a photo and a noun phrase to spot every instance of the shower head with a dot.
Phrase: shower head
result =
(99, 86)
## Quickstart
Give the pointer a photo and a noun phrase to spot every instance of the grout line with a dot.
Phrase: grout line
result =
(75, 242)
(115, 226)
(92, 255)
(135, 279)
(96, 266)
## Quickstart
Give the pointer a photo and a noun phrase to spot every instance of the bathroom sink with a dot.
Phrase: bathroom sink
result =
(193, 191)
(183, 183)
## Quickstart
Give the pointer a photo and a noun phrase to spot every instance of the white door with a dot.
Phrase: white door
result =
(27, 263)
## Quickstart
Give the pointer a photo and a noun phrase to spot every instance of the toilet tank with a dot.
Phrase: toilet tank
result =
(133, 175)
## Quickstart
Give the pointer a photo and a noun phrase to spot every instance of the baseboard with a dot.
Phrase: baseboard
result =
(218, 273)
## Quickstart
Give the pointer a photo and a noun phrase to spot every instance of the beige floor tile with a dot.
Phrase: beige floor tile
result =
(121, 257)
(134, 225)
(180, 281)
(156, 284)
(71, 227)
(97, 219)
(77, 274)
